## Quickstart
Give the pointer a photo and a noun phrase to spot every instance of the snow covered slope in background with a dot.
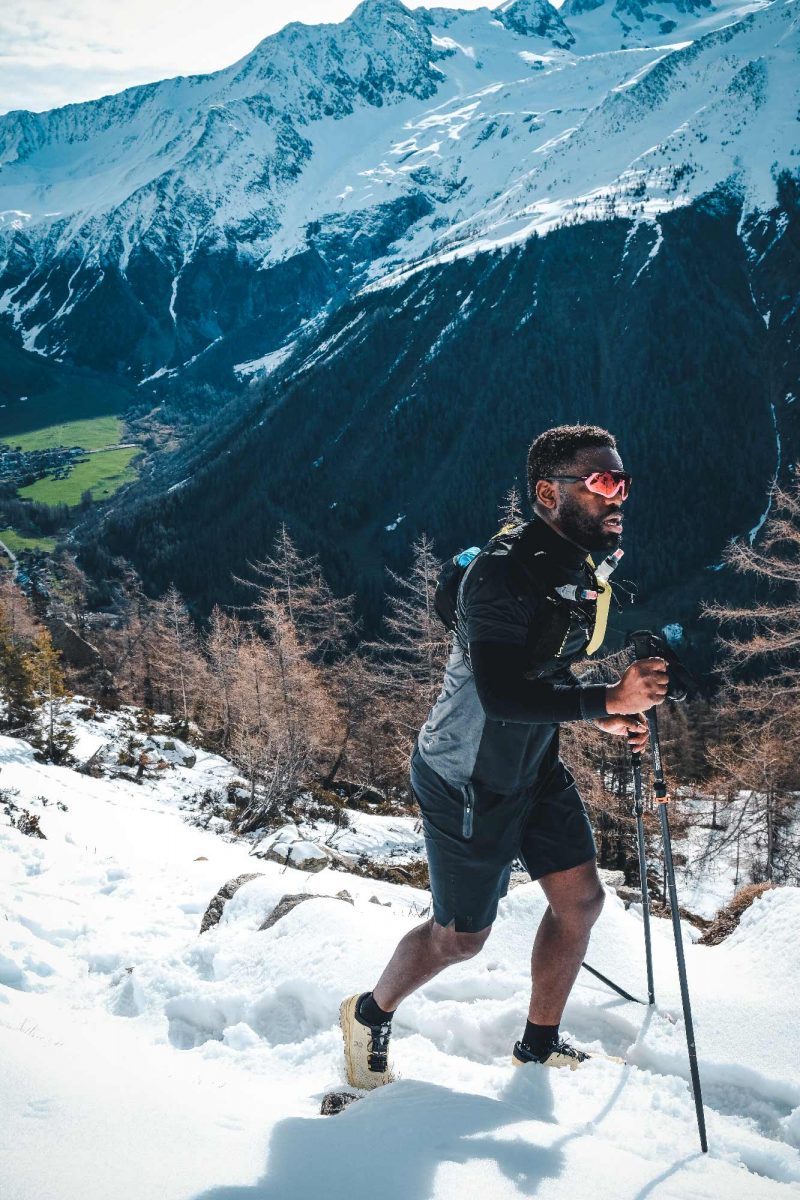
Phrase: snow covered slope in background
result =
(165, 218)
(146, 1061)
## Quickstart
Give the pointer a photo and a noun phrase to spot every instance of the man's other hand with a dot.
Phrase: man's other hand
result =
(634, 728)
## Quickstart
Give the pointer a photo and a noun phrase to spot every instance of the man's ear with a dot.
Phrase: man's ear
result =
(546, 494)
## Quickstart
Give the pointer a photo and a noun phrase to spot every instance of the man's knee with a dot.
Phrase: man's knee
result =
(593, 903)
(586, 906)
(457, 947)
(580, 901)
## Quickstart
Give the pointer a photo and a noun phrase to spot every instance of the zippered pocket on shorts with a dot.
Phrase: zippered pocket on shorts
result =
(469, 810)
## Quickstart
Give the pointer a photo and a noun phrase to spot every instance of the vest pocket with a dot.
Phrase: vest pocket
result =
(469, 810)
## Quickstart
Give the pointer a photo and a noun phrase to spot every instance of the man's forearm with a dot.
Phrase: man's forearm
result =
(506, 695)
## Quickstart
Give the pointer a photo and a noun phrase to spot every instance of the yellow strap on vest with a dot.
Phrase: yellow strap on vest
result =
(603, 602)
(601, 612)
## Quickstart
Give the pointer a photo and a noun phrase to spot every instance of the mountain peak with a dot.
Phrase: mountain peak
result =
(535, 18)
(373, 13)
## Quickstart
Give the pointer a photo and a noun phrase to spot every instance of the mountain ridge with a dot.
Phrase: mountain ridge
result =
(122, 217)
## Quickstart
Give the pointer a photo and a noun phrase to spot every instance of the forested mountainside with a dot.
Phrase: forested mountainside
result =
(188, 227)
(412, 408)
(361, 268)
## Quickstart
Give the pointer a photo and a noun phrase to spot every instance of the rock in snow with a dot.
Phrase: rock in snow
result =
(214, 911)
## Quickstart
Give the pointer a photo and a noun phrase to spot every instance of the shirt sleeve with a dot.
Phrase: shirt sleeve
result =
(506, 695)
(497, 619)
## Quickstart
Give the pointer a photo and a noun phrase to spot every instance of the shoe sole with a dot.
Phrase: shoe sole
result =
(565, 1062)
(572, 1063)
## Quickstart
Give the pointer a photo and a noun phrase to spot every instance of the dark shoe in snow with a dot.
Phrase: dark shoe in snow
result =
(558, 1054)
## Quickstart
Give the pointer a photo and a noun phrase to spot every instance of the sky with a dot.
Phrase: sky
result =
(55, 52)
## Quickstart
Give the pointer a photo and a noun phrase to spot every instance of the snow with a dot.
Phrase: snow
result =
(144, 1061)
(266, 364)
(501, 135)
(654, 249)
(751, 537)
(719, 859)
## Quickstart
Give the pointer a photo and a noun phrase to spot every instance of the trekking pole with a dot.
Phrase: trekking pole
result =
(643, 648)
(610, 982)
(638, 810)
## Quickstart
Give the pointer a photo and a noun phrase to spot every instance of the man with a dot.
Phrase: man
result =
(486, 770)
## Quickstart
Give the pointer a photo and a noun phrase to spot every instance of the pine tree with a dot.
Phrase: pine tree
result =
(510, 511)
(16, 680)
(155, 657)
(17, 610)
(324, 623)
(221, 646)
(757, 754)
(48, 680)
(410, 659)
(177, 666)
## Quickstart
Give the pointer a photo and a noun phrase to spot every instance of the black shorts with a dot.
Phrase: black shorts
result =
(473, 835)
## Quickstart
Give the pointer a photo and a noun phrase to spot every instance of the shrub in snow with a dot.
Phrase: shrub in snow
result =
(211, 807)
(28, 823)
(155, 753)
(729, 917)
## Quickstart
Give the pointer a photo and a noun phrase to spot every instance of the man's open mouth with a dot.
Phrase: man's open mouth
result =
(613, 522)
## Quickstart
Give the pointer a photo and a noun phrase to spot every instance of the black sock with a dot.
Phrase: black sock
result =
(369, 1011)
(538, 1037)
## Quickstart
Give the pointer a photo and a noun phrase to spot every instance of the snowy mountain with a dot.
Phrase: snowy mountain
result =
(197, 1061)
(202, 223)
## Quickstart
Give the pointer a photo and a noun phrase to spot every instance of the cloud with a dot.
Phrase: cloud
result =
(53, 54)
(80, 49)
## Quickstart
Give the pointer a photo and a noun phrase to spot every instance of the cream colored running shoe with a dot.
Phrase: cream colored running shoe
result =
(559, 1054)
(366, 1047)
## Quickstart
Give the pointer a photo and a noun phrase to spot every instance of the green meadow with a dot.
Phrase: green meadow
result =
(44, 405)
(103, 473)
(92, 434)
(16, 542)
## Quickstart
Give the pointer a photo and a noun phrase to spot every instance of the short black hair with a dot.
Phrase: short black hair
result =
(554, 450)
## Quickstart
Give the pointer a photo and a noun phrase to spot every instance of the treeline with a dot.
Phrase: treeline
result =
(733, 757)
(290, 689)
(427, 395)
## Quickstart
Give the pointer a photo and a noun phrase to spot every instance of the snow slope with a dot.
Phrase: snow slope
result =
(375, 144)
(142, 1060)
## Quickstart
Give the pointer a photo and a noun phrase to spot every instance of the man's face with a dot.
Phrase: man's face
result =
(591, 521)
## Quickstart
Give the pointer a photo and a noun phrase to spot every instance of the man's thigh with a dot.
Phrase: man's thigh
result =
(468, 863)
(557, 835)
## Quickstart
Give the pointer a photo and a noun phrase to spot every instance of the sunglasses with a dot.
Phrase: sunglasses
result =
(603, 483)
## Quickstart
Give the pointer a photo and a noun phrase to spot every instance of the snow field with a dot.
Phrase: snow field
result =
(199, 1072)
(517, 137)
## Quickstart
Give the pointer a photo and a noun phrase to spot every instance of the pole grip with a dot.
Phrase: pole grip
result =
(642, 642)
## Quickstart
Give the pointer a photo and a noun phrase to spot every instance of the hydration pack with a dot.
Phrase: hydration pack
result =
(453, 571)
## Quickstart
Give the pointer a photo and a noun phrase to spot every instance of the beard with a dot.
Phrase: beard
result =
(587, 531)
